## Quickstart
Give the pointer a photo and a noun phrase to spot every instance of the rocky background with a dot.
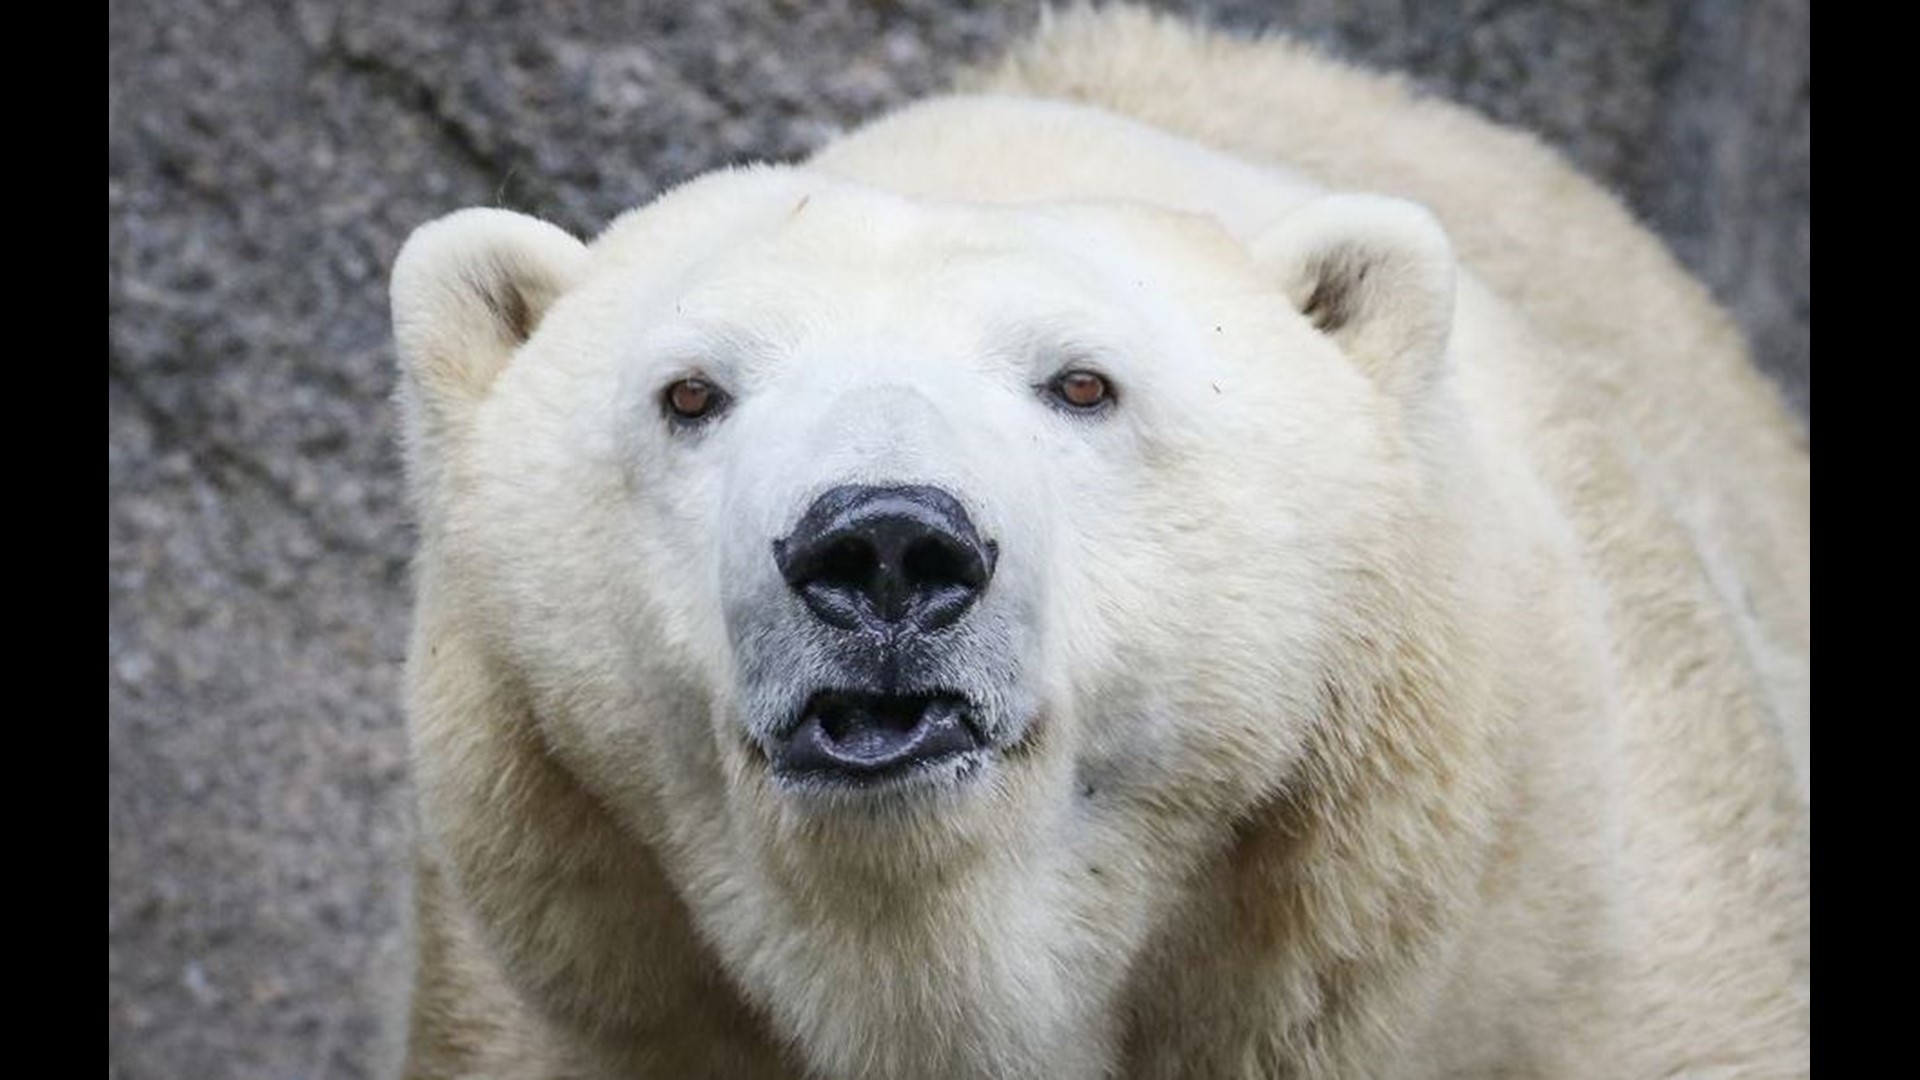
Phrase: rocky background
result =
(264, 162)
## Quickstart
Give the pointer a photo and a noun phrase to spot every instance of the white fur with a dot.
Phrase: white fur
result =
(1396, 676)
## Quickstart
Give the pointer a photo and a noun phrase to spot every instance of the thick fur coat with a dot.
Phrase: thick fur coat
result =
(1402, 671)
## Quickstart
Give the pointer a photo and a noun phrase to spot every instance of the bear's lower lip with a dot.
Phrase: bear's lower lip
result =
(860, 738)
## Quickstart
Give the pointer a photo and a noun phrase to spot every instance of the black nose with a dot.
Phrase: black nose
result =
(906, 556)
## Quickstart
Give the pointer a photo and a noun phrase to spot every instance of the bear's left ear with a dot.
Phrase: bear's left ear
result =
(1374, 274)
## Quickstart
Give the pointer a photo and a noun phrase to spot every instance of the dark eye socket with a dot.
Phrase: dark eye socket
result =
(693, 399)
(1079, 390)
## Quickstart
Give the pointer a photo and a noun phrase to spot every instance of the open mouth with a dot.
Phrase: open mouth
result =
(861, 738)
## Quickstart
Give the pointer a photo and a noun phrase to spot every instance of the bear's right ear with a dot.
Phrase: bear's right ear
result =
(1373, 273)
(468, 290)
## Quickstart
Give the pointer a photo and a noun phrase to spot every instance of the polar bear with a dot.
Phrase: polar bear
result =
(1187, 561)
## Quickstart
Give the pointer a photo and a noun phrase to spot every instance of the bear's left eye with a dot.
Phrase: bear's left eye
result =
(693, 399)
(1079, 390)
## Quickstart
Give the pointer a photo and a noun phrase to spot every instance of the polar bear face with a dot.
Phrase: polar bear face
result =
(832, 536)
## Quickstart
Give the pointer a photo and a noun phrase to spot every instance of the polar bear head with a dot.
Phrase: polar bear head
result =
(914, 591)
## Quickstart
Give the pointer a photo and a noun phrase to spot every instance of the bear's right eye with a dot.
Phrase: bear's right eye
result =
(693, 399)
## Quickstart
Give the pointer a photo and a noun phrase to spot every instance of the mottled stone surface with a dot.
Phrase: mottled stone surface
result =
(264, 162)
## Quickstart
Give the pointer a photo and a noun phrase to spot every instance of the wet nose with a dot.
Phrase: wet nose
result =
(904, 556)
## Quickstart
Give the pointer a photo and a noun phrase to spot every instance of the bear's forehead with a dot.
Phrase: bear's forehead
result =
(861, 239)
(812, 231)
(777, 259)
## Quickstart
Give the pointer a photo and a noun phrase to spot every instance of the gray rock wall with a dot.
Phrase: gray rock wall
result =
(264, 162)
